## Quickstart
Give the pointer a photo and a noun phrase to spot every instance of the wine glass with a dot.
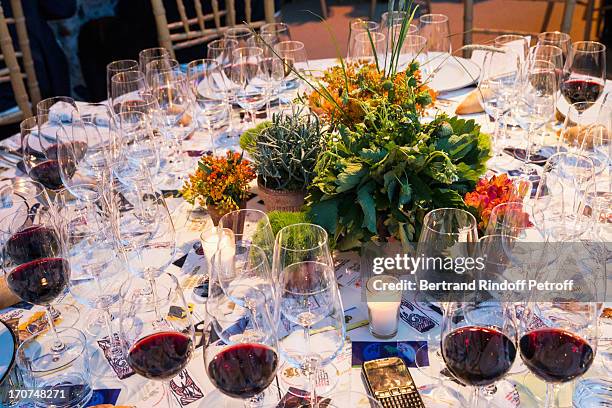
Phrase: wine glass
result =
(156, 332)
(310, 316)
(36, 267)
(155, 67)
(150, 54)
(497, 87)
(368, 48)
(390, 21)
(52, 112)
(125, 89)
(479, 344)
(252, 227)
(435, 28)
(116, 67)
(240, 353)
(37, 165)
(140, 146)
(207, 85)
(357, 26)
(535, 104)
(550, 53)
(414, 48)
(584, 73)
(241, 34)
(444, 231)
(278, 31)
(295, 66)
(558, 338)
(97, 270)
(557, 39)
(519, 44)
(248, 74)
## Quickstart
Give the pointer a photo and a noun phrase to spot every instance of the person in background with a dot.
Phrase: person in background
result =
(133, 29)
(49, 59)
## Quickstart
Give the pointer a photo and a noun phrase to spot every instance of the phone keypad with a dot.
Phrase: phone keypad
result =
(412, 400)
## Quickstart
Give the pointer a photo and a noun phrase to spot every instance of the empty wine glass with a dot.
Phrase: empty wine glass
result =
(357, 26)
(557, 39)
(248, 74)
(414, 48)
(150, 54)
(126, 88)
(310, 317)
(435, 28)
(278, 31)
(369, 48)
(155, 67)
(116, 67)
(157, 332)
(497, 87)
(517, 43)
(241, 34)
(140, 147)
(295, 66)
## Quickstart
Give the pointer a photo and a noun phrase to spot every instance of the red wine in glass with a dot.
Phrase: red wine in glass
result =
(39, 281)
(33, 242)
(478, 356)
(160, 356)
(47, 173)
(556, 355)
(585, 90)
(243, 370)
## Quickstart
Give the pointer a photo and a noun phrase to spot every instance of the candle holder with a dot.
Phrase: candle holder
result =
(383, 298)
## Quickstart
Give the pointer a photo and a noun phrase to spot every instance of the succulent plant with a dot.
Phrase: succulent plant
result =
(286, 151)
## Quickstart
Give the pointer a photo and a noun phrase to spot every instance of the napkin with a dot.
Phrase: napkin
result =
(470, 104)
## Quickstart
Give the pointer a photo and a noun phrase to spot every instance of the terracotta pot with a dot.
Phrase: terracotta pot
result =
(216, 214)
(281, 200)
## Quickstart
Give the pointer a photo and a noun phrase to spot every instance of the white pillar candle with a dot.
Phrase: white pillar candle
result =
(383, 305)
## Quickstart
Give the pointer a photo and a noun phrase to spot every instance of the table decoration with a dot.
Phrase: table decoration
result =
(284, 154)
(221, 183)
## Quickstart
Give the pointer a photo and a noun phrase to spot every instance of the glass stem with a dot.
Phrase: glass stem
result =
(168, 392)
(114, 346)
(497, 136)
(473, 400)
(552, 396)
(58, 345)
(209, 129)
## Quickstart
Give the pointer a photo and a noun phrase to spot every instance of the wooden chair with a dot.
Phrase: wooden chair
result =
(12, 72)
(190, 31)
(468, 20)
(424, 5)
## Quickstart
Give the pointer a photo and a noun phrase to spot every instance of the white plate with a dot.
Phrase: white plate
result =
(451, 73)
(7, 345)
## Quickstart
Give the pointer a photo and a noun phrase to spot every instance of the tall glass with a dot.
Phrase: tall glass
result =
(116, 67)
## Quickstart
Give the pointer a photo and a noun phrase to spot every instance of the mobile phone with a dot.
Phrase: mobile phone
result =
(390, 382)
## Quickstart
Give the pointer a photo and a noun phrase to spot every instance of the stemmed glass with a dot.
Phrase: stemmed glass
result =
(357, 26)
(414, 48)
(310, 317)
(42, 169)
(444, 231)
(241, 34)
(584, 73)
(158, 66)
(240, 353)
(222, 51)
(479, 344)
(116, 67)
(36, 266)
(252, 227)
(535, 104)
(126, 88)
(558, 338)
(97, 271)
(54, 111)
(436, 29)
(151, 54)
(497, 87)
(294, 59)
(207, 85)
(248, 74)
(557, 39)
(369, 48)
(157, 332)
(516, 43)
(278, 32)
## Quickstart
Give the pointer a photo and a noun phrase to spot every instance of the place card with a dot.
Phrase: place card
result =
(117, 362)
(185, 389)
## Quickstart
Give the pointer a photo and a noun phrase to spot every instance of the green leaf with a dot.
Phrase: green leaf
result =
(373, 156)
(422, 192)
(350, 176)
(325, 214)
(390, 186)
(405, 192)
(366, 201)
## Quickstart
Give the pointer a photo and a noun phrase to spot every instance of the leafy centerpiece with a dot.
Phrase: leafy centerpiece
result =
(384, 166)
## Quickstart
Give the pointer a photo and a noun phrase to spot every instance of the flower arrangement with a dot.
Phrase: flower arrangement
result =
(489, 193)
(346, 92)
(221, 181)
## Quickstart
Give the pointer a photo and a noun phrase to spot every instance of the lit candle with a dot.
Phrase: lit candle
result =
(384, 300)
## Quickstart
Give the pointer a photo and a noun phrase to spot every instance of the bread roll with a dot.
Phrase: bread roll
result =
(470, 104)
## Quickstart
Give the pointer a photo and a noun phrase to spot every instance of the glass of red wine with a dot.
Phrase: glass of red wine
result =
(584, 73)
(35, 264)
(558, 338)
(40, 168)
(479, 344)
(156, 329)
(240, 354)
